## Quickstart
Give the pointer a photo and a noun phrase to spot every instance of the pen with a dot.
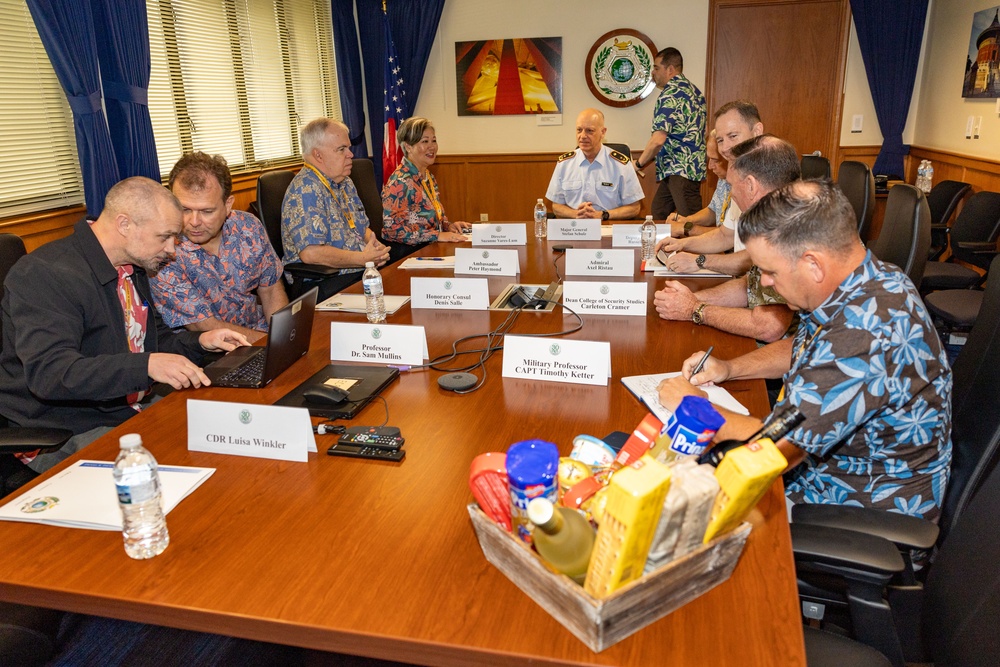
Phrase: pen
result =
(429, 259)
(701, 364)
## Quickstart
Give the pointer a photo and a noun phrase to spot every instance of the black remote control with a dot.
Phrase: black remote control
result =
(379, 437)
(356, 452)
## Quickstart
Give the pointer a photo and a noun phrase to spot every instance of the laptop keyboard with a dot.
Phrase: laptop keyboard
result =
(250, 372)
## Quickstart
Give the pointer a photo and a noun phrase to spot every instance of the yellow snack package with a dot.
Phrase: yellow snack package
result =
(634, 502)
(744, 476)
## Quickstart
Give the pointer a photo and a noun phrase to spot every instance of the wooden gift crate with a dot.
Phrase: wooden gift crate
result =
(603, 623)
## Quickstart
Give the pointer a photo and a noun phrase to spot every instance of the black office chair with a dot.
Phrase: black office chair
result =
(890, 620)
(974, 237)
(271, 188)
(621, 148)
(906, 232)
(942, 201)
(363, 177)
(858, 185)
(815, 166)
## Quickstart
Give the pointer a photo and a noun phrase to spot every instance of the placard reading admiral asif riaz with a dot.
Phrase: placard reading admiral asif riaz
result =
(557, 360)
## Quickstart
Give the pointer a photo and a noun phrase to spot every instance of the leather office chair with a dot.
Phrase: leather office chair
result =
(858, 185)
(271, 188)
(621, 148)
(363, 177)
(893, 626)
(974, 239)
(906, 232)
(942, 201)
(815, 166)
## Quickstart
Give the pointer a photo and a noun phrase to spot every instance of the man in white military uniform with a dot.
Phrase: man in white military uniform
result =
(594, 181)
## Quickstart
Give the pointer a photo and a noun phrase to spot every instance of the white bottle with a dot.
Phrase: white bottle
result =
(929, 179)
(374, 295)
(541, 220)
(144, 526)
(647, 234)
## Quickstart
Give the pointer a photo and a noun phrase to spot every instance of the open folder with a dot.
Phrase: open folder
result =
(84, 496)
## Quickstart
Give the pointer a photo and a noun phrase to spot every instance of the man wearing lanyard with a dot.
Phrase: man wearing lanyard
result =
(82, 345)
(866, 367)
(322, 218)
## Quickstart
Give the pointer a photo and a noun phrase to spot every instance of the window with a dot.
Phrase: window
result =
(239, 77)
(38, 165)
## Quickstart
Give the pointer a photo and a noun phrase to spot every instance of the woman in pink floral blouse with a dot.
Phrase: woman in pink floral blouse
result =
(411, 203)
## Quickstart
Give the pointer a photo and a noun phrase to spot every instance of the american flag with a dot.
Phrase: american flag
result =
(395, 106)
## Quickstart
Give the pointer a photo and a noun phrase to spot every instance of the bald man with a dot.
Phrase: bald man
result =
(594, 181)
(81, 343)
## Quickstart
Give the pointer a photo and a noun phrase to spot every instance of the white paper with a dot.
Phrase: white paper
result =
(605, 298)
(249, 429)
(355, 303)
(428, 263)
(557, 360)
(645, 389)
(574, 229)
(84, 496)
(393, 344)
(600, 262)
(487, 261)
(451, 293)
(492, 233)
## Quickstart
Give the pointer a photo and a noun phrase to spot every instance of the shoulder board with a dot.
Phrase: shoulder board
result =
(566, 156)
(621, 157)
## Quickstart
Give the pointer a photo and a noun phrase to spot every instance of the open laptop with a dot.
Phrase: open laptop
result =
(287, 340)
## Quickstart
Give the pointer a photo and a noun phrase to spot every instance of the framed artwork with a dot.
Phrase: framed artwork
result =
(982, 66)
(503, 77)
(619, 67)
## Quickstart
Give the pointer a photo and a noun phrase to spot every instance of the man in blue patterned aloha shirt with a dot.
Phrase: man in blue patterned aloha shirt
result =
(224, 263)
(678, 139)
(322, 218)
(865, 368)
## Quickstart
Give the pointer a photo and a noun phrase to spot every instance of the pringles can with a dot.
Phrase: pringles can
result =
(532, 470)
(689, 430)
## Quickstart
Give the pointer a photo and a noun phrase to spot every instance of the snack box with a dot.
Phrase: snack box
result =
(605, 622)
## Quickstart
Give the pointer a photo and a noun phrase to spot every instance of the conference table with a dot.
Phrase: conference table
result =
(380, 559)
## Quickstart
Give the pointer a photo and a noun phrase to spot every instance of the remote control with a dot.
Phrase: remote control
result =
(354, 451)
(379, 437)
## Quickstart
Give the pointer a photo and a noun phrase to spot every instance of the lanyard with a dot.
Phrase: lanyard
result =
(725, 205)
(345, 209)
(432, 195)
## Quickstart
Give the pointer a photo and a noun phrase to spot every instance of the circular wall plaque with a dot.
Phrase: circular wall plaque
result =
(620, 68)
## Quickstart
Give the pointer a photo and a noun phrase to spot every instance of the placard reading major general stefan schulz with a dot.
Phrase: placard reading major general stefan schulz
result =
(575, 229)
(600, 262)
(492, 233)
(378, 343)
(557, 360)
(248, 429)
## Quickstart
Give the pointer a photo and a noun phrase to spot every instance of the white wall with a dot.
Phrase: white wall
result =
(679, 23)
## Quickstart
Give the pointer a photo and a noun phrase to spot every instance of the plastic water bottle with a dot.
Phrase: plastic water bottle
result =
(144, 526)
(647, 234)
(929, 179)
(374, 295)
(541, 220)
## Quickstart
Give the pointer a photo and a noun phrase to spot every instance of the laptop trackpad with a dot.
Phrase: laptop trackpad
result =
(234, 359)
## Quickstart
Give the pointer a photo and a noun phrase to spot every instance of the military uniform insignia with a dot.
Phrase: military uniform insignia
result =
(620, 157)
(566, 156)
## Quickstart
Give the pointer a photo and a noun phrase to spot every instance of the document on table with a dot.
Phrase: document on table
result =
(660, 270)
(84, 496)
(355, 303)
(428, 263)
(645, 389)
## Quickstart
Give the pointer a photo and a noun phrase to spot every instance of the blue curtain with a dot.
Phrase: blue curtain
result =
(414, 24)
(349, 76)
(123, 50)
(890, 34)
(67, 32)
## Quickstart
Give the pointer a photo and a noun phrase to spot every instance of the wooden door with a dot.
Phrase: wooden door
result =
(788, 57)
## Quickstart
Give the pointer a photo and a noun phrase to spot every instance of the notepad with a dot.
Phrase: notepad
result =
(355, 303)
(428, 263)
(645, 389)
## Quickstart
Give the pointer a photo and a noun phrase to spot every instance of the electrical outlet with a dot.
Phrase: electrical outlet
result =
(968, 127)
(484, 217)
(979, 126)
(857, 123)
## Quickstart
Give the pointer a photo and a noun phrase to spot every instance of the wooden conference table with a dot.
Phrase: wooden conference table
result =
(380, 559)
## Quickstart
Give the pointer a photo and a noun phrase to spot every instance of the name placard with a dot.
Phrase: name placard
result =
(557, 360)
(487, 261)
(378, 343)
(611, 298)
(450, 293)
(508, 233)
(627, 235)
(582, 229)
(248, 429)
(600, 262)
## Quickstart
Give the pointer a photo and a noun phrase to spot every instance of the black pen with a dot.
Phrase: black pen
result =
(701, 364)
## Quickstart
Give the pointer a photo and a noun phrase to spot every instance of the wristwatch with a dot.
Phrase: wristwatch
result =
(605, 215)
(697, 317)
(700, 261)
(687, 228)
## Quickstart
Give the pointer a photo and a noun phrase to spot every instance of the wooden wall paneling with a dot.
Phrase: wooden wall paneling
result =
(982, 174)
(37, 229)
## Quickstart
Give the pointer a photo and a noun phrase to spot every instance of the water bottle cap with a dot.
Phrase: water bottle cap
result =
(130, 440)
(369, 265)
(540, 200)
(540, 511)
